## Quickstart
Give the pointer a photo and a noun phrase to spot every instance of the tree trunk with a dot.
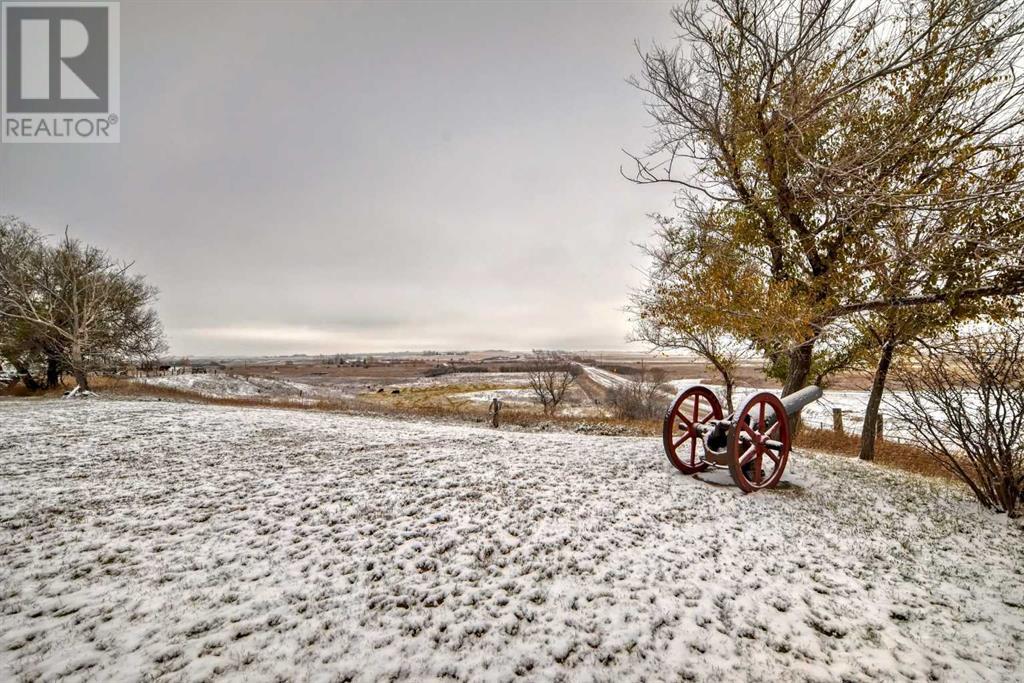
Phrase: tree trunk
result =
(870, 428)
(78, 366)
(796, 376)
(26, 377)
(799, 368)
(52, 373)
(727, 380)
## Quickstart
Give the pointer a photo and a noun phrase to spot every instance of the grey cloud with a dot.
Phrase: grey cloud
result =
(363, 176)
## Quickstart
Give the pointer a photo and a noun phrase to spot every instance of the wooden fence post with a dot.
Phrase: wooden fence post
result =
(494, 410)
(837, 420)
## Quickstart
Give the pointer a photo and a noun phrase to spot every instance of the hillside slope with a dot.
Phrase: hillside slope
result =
(166, 539)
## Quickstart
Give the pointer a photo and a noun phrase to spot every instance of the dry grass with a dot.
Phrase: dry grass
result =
(19, 391)
(430, 396)
(898, 456)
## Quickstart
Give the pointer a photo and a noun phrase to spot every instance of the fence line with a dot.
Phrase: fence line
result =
(816, 424)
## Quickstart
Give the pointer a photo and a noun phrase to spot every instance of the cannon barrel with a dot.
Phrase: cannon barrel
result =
(798, 400)
(793, 403)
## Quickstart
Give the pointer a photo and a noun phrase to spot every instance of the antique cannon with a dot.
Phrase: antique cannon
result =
(753, 442)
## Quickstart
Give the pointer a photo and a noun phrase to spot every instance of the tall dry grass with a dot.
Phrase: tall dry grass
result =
(898, 456)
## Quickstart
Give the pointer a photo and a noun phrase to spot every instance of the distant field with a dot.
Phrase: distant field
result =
(402, 369)
(482, 381)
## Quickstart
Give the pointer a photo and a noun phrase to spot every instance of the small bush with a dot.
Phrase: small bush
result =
(964, 402)
(642, 398)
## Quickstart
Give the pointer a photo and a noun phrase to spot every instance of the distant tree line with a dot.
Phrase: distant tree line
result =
(69, 308)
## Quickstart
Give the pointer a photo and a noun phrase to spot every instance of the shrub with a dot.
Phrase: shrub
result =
(641, 398)
(964, 402)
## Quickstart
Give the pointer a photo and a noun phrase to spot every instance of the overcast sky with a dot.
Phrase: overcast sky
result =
(320, 177)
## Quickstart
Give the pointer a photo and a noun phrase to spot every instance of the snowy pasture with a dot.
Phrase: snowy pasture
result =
(157, 540)
(236, 386)
(508, 379)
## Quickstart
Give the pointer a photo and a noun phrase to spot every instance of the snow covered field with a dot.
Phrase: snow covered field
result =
(509, 379)
(232, 386)
(144, 540)
(235, 386)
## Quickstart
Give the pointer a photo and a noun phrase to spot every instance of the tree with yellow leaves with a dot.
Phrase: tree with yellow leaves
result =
(836, 160)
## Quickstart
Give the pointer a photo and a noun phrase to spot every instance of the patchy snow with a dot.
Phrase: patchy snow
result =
(146, 539)
(509, 379)
(233, 386)
(607, 379)
(237, 386)
(510, 396)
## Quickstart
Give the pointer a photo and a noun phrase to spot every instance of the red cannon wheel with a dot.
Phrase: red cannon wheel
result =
(758, 444)
(679, 431)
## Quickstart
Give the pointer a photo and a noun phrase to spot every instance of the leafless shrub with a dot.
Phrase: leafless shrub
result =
(964, 402)
(641, 398)
(550, 377)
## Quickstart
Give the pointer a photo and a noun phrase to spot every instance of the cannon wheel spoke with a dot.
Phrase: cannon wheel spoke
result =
(749, 430)
(753, 464)
(694, 406)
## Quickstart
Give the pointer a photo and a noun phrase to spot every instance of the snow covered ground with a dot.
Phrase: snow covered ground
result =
(236, 386)
(145, 540)
(518, 397)
(606, 378)
(509, 379)
(225, 385)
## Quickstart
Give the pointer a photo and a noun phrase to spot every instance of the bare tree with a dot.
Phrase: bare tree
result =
(20, 344)
(551, 375)
(81, 305)
(964, 402)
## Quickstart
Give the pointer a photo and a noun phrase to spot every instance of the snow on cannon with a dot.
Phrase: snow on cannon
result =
(753, 442)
